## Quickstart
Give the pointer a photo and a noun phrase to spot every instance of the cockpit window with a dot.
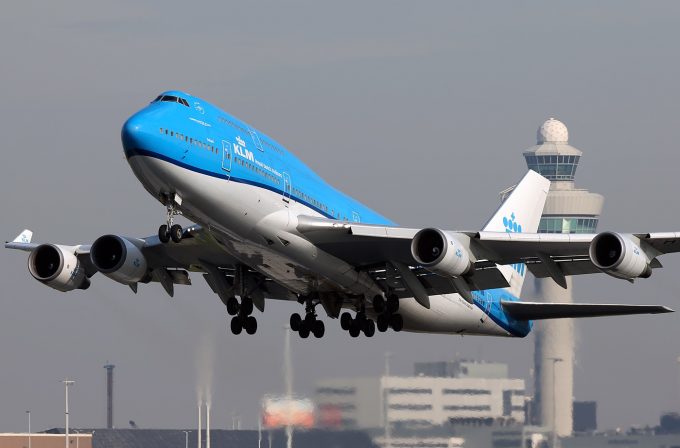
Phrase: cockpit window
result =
(171, 99)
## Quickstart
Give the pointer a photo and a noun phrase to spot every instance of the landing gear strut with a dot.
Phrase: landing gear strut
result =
(242, 319)
(169, 230)
(310, 324)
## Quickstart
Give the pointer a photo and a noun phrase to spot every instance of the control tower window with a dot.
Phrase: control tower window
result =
(554, 167)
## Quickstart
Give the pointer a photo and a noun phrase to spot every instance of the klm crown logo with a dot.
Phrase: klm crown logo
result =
(511, 226)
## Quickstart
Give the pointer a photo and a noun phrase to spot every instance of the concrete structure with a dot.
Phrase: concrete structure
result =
(179, 438)
(423, 401)
(567, 210)
(109, 395)
(43, 440)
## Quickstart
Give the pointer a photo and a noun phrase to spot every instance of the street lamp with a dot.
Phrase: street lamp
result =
(29, 428)
(67, 383)
(186, 438)
(386, 406)
(554, 393)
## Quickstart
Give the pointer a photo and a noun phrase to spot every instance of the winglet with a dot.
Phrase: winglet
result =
(24, 237)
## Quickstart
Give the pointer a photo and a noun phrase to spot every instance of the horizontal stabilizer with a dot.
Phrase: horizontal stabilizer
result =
(537, 311)
(22, 241)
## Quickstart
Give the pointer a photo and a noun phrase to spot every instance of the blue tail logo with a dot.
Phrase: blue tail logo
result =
(511, 226)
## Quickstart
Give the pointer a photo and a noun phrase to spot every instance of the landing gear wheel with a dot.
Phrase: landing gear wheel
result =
(295, 322)
(176, 233)
(346, 321)
(354, 329)
(246, 306)
(369, 328)
(163, 234)
(236, 325)
(304, 331)
(250, 324)
(383, 323)
(378, 304)
(392, 304)
(319, 329)
(396, 322)
(232, 306)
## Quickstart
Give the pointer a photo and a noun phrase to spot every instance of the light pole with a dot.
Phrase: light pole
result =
(77, 438)
(554, 406)
(386, 407)
(67, 383)
(29, 428)
(186, 438)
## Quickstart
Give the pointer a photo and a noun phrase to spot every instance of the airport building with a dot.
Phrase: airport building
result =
(437, 394)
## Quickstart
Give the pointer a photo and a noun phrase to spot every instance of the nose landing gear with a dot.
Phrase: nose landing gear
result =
(169, 230)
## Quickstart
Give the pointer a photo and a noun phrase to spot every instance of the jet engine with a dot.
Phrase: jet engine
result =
(119, 259)
(619, 256)
(440, 252)
(58, 267)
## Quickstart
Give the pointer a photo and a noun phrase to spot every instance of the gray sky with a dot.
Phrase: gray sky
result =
(419, 109)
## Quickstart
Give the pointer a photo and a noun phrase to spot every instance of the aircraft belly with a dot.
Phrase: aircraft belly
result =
(232, 211)
(448, 314)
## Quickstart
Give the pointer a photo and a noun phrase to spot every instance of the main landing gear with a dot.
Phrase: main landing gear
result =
(242, 319)
(388, 317)
(170, 231)
(310, 324)
(355, 326)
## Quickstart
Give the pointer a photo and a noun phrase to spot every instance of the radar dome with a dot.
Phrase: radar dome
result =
(552, 131)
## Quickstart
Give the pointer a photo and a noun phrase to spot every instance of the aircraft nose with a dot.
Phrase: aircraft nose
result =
(135, 133)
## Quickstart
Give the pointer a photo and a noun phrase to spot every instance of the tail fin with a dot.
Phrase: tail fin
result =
(24, 237)
(520, 212)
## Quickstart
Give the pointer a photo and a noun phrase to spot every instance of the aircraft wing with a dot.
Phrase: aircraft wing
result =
(198, 251)
(545, 254)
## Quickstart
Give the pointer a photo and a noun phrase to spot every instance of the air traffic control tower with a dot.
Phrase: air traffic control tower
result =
(567, 210)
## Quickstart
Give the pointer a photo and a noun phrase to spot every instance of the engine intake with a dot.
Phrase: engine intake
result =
(619, 256)
(440, 252)
(57, 267)
(119, 259)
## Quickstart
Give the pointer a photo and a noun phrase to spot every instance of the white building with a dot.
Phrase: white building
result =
(422, 401)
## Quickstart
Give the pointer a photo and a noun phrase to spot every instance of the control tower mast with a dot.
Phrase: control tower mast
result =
(567, 210)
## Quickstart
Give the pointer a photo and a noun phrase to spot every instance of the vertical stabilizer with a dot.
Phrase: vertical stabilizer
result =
(520, 213)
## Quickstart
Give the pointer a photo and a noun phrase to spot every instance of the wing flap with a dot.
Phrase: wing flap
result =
(539, 311)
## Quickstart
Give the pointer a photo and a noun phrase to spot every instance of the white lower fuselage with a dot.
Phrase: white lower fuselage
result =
(247, 219)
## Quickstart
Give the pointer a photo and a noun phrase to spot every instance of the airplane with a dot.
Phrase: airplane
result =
(269, 228)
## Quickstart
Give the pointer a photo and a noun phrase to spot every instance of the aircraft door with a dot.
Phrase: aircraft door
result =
(287, 187)
(227, 156)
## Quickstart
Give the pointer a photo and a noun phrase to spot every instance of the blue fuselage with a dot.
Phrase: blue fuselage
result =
(192, 136)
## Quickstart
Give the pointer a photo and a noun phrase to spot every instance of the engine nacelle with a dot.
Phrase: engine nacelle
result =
(58, 267)
(441, 253)
(118, 259)
(619, 256)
